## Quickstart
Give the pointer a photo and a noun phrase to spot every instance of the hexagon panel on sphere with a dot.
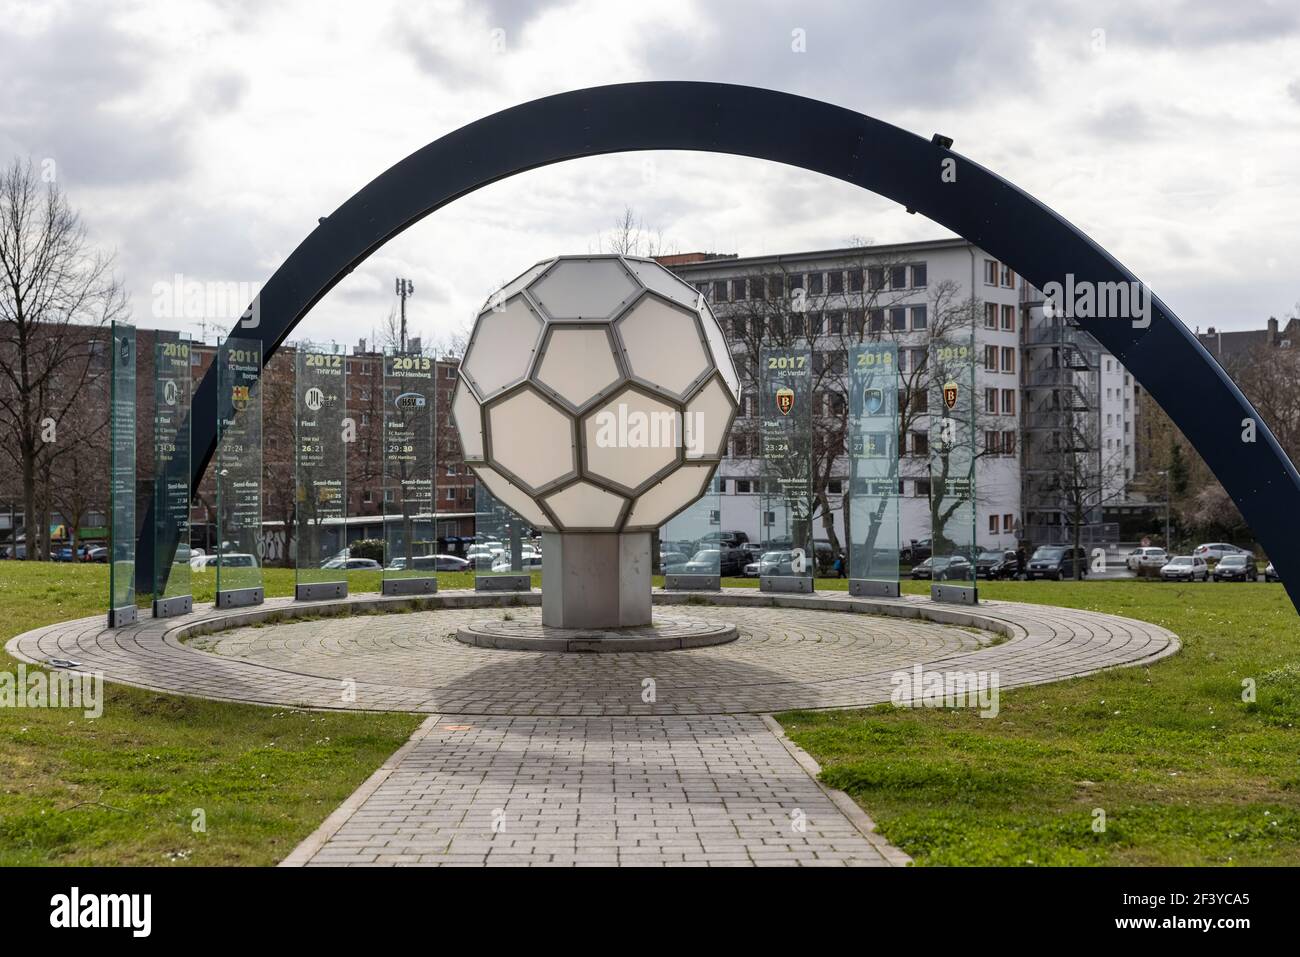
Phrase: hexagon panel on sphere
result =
(722, 357)
(583, 289)
(469, 423)
(664, 499)
(658, 279)
(501, 347)
(707, 421)
(663, 346)
(577, 362)
(517, 285)
(530, 438)
(516, 499)
(630, 439)
(583, 505)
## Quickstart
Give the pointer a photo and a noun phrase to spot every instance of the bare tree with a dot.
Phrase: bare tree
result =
(631, 237)
(50, 280)
(862, 301)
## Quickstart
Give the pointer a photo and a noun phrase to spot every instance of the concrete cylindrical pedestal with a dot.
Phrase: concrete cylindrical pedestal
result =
(595, 580)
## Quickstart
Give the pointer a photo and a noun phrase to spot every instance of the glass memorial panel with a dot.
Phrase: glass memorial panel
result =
(507, 549)
(952, 469)
(121, 569)
(692, 553)
(171, 451)
(239, 473)
(410, 532)
(321, 561)
(786, 561)
(873, 469)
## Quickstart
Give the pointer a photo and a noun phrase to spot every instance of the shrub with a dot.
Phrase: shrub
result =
(367, 548)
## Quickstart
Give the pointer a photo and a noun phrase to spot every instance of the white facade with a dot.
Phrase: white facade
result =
(961, 272)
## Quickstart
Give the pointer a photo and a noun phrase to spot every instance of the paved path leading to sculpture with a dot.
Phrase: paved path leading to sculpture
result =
(563, 759)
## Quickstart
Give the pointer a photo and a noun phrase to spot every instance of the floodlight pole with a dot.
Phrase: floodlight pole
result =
(404, 288)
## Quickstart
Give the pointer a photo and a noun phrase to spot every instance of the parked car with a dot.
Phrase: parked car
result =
(780, 562)
(1236, 568)
(943, 568)
(916, 551)
(1185, 568)
(1146, 557)
(528, 561)
(352, 564)
(715, 561)
(671, 562)
(1214, 551)
(228, 560)
(992, 563)
(441, 563)
(98, 554)
(1270, 573)
(1056, 562)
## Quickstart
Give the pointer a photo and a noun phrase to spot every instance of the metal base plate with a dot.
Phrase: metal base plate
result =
(320, 591)
(503, 583)
(692, 583)
(171, 607)
(525, 632)
(869, 588)
(410, 586)
(955, 594)
(786, 583)
(126, 615)
(240, 597)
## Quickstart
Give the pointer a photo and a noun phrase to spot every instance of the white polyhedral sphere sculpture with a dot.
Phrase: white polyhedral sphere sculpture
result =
(596, 395)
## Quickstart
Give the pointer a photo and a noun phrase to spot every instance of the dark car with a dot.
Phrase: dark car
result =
(994, 564)
(1236, 567)
(916, 551)
(943, 568)
(1057, 562)
(715, 561)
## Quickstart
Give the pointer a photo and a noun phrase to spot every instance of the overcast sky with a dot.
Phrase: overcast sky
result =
(205, 138)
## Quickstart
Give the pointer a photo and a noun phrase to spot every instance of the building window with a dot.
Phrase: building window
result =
(815, 283)
(1008, 522)
(902, 360)
(919, 359)
(919, 318)
(875, 278)
(720, 290)
(814, 323)
(836, 323)
(992, 442)
(739, 328)
(1008, 443)
(922, 488)
(990, 358)
(744, 487)
(1009, 318)
(366, 497)
(738, 291)
(877, 320)
(919, 276)
(990, 272)
(796, 281)
(836, 280)
(898, 277)
(991, 401)
(1008, 277)
(993, 524)
(1008, 359)
(990, 315)
(920, 443)
(898, 320)
(1008, 401)
(835, 487)
(855, 280)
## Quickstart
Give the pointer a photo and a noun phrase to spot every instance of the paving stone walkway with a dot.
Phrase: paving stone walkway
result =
(561, 759)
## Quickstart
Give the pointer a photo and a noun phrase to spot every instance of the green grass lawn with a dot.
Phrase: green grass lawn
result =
(1184, 770)
(123, 788)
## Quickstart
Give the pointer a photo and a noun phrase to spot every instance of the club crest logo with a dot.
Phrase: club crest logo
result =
(170, 392)
(314, 399)
(239, 397)
(873, 400)
(784, 400)
(950, 394)
(409, 400)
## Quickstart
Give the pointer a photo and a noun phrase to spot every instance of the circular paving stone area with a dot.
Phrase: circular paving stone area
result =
(816, 651)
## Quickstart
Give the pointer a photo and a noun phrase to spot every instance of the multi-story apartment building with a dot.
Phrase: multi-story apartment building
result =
(912, 294)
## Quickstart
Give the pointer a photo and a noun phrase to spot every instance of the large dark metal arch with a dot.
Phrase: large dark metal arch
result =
(1164, 358)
